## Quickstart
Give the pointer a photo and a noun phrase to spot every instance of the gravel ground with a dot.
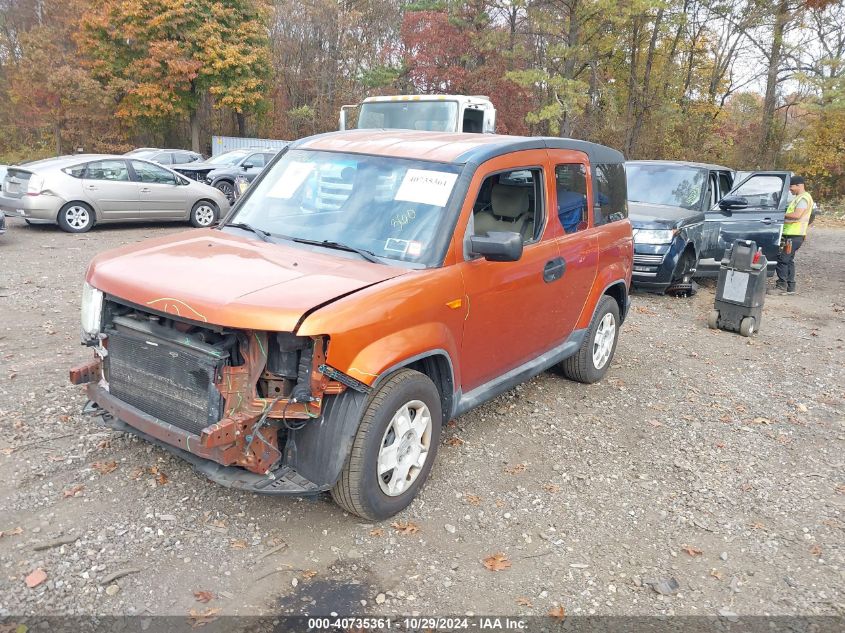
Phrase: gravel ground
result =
(704, 475)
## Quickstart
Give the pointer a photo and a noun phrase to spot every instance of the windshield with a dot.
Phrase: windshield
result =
(144, 153)
(391, 207)
(672, 185)
(432, 116)
(229, 158)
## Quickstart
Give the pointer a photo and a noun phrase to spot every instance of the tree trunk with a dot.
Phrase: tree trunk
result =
(768, 154)
(57, 134)
(195, 131)
(240, 117)
(642, 103)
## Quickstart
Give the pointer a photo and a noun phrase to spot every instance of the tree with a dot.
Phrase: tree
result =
(160, 59)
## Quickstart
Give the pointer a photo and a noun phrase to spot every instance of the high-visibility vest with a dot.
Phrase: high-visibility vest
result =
(798, 227)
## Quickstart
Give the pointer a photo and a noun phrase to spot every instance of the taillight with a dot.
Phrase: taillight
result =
(35, 185)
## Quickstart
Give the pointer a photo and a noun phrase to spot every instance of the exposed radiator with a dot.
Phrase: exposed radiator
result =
(168, 377)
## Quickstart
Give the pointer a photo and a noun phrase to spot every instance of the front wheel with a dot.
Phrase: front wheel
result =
(394, 448)
(227, 188)
(76, 217)
(203, 214)
(592, 360)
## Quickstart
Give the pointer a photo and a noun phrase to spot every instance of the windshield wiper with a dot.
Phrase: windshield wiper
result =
(368, 255)
(264, 235)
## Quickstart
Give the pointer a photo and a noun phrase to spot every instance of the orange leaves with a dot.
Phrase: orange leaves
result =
(497, 562)
(692, 551)
(558, 613)
(405, 527)
(516, 469)
(198, 619)
(473, 500)
(522, 601)
(816, 550)
(104, 468)
(15, 532)
(551, 488)
(455, 441)
(159, 476)
(203, 596)
(35, 578)
(377, 532)
(73, 491)
(237, 543)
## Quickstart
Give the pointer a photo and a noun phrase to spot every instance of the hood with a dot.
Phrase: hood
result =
(645, 215)
(224, 279)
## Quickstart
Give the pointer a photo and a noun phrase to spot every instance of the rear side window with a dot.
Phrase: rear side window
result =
(107, 170)
(611, 194)
(165, 158)
(571, 186)
(77, 171)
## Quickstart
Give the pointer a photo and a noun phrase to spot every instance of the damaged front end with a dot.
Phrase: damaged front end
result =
(232, 402)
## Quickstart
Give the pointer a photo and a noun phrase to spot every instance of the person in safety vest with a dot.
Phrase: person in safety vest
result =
(795, 224)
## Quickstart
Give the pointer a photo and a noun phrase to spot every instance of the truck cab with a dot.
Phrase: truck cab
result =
(430, 113)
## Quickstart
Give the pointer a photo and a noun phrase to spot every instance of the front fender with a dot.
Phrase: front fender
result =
(398, 349)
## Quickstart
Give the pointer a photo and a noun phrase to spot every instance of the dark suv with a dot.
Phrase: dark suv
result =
(221, 170)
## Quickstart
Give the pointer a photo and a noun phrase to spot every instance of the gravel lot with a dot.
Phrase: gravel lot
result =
(704, 458)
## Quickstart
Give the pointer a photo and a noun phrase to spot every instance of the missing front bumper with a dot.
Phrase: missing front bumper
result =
(282, 481)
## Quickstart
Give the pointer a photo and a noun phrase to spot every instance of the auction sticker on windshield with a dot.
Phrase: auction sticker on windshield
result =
(290, 180)
(426, 187)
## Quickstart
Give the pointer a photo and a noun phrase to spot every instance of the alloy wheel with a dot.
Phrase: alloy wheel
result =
(404, 448)
(603, 341)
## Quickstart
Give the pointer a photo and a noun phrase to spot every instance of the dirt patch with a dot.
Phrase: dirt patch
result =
(704, 458)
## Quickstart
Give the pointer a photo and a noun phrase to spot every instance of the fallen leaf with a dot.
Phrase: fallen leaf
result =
(104, 468)
(757, 526)
(203, 596)
(137, 472)
(497, 562)
(7, 451)
(104, 444)
(499, 503)
(746, 487)
(15, 532)
(558, 612)
(56, 458)
(655, 423)
(551, 488)
(524, 602)
(72, 492)
(454, 441)
(720, 445)
(201, 619)
(377, 532)
(308, 574)
(801, 407)
(64, 418)
(816, 550)
(761, 421)
(716, 574)
(35, 578)
(160, 477)
(473, 499)
(238, 543)
(516, 469)
(405, 527)
(644, 310)
(692, 551)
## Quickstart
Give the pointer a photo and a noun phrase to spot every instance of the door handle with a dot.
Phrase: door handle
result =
(145, 190)
(91, 187)
(554, 269)
(767, 220)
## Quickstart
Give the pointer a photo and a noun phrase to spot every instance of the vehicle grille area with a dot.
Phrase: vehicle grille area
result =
(163, 376)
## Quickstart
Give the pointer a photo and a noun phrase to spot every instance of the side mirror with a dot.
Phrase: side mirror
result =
(246, 166)
(731, 203)
(497, 246)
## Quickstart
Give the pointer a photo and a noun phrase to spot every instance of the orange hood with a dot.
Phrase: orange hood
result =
(223, 279)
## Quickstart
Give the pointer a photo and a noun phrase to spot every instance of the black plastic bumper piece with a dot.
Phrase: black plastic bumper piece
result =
(283, 481)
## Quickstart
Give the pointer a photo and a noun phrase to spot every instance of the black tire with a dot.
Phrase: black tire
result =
(358, 490)
(202, 211)
(747, 326)
(76, 217)
(227, 188)
(581, 366)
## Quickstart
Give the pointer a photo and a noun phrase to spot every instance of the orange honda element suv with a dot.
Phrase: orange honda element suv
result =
(368, 287)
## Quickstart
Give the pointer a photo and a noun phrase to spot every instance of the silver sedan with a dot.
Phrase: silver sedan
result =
(78, 191)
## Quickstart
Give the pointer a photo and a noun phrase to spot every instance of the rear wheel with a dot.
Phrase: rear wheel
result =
(203, 214)
(747, 326)
(76, 217)
(592, 360)
(394, 447)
